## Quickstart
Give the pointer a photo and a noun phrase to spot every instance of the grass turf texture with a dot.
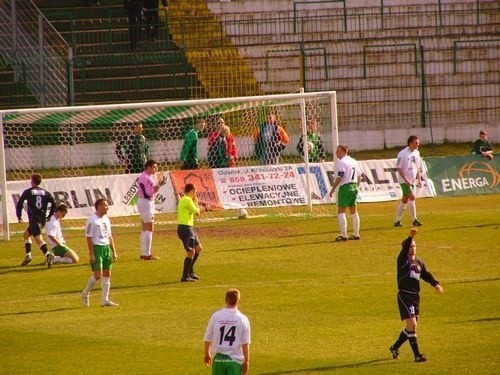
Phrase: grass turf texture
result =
(316, 307)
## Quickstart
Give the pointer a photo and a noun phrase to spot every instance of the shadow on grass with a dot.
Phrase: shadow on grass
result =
(39, 311)
(481, 320)
(116, 287)
(330, 368)
(35, 268)
(475, 281)
(287, 245)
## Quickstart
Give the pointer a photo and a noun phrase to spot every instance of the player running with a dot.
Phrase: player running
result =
(37, 201)
(410, 271)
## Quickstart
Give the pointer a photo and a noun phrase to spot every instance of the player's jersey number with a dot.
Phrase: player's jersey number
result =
(227, 334)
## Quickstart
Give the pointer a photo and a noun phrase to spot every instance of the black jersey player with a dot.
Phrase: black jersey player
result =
(37, 202)
(410, 271)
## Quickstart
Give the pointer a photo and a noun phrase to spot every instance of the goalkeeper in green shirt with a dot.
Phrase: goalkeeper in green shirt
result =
(189, 152)
(315, 149)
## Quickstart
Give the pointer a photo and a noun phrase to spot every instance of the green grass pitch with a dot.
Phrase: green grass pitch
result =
(316, 307)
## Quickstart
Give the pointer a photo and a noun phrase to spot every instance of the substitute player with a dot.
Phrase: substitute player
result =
(410, 271)
(149, 183)
(102, 252)
(55, 238)
(37, 200)
(348, 177)
(409, 168)
(187, 208)
(227, 339)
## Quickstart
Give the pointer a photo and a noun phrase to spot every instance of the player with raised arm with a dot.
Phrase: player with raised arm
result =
(55, 238)
(410, 270)
(37, 201)
(102, 252)
(227, 339)
(409, 168)
(348, 177)
(149, 183)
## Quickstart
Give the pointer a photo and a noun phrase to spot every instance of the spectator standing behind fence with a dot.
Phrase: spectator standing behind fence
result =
(482, 146)
(189, 152)
(218, 156)
(152, 20)
(133, 150)
(315, 148)
(133, 10)
(232, 150)
(269, 141)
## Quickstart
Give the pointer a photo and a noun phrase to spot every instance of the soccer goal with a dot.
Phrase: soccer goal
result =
(83, 152)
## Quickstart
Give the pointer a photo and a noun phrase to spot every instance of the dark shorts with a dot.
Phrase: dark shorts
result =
(408, 305)
(35, 226)
(189, 165)
(188, 237)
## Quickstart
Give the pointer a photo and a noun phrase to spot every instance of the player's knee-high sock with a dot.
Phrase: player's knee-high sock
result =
(27, 246)
(342, 224)
(141, 242)
(148, 239)
(187, 267)
(90, 284)
(355, 224)
(412, 338)
(64, 260)
(400, 210)
(403, 336)
(413, 210)
(44, 248)
(105, 286)
(196, 255)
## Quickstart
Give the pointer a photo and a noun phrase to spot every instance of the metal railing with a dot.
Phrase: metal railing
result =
(38, 54)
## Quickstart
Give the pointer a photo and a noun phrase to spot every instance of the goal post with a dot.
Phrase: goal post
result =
(81, 152)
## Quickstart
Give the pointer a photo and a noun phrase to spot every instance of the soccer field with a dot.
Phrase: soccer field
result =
(315, 306)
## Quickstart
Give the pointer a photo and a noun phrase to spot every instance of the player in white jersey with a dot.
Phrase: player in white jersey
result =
(409, 167)
(348, 178)
(227, 339)
(102, 252)
(55, 238)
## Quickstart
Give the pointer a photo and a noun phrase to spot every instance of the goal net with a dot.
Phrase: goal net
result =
(266, 154)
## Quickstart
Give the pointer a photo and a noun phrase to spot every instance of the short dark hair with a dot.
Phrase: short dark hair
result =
(150, 163)
(411, 138)
(99, 201)
(344, 148)
(483, 132)
(189, 187)
(36, 178)
(62, 208)
(232, 297)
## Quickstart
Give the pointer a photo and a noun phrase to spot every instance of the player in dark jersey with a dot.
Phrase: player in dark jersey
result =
(410, 270)
(37, 200)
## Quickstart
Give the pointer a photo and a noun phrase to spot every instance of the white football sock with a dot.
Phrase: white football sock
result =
(413, 210)
(399, 212)
(342, 224)
(105, 286)
(355, 224)
(90, 284)
(148, 240)
(64, 260)
(141, 242)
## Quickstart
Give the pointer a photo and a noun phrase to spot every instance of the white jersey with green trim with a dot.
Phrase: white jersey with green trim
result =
(348, 170)
(53, 228)
(99, 228)
(227, 330)
(410, 163)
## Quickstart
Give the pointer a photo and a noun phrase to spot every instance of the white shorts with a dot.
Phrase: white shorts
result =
(146, 209)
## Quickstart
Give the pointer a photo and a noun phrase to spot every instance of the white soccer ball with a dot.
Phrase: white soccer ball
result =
(242, 213)
(310, 146)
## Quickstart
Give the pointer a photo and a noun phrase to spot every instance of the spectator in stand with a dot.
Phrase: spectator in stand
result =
(152, 18)
(133, 10)
(315, 149)
(482, 146)
(270, 139)
(189, 152)
(133, 150)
